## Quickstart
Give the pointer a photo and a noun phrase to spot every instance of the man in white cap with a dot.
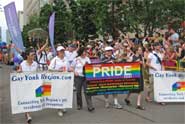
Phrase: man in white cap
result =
(60, 63)
(109, 58)
(71, 53)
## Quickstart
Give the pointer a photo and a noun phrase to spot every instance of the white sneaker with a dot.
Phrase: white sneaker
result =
(29, 119)
(64, 110)
(117, 106)
(60, 113)
(74, 88)
(107, 104)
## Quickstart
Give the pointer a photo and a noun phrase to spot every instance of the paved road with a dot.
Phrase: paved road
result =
(171, 113)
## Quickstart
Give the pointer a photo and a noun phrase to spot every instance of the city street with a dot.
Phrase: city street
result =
(171, 113)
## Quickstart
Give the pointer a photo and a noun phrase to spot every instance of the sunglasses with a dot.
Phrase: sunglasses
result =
(32, 54)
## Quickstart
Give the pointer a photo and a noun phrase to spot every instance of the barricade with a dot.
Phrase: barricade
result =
(181, 65)
(170, 65)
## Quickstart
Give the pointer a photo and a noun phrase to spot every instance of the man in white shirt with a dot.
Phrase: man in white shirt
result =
(71, 53)
(60, 63)
(109, 58)
(154, 62)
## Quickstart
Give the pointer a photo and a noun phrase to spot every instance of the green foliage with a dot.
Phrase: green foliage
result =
(45, 13)
(91, 17)
(34, 23)
(62, 21)
(82, 18)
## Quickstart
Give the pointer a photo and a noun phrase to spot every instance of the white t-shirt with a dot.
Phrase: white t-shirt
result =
(71, 56)
(58, 64)
(174, 37)
(78, 64)
(50, 56)
(154, 62)
(26, 67)
(42, 57)
(130, 57)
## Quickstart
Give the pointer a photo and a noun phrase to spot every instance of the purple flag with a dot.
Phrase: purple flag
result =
(13, 25)
(51, 31)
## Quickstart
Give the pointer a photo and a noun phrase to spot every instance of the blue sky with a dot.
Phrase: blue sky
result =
(19, 6)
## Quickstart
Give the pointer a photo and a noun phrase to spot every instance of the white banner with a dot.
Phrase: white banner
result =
(36, 91)
(169, 86)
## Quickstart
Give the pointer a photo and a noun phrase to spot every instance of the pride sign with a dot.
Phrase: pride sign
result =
(112, 71)
(113, 78)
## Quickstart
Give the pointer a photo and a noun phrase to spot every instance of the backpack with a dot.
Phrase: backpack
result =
(41, 55)
(158, 58)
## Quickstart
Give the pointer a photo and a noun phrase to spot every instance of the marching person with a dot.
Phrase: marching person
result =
(71, 54)
(109, 58)
(80, 81)
(137, 57)
(154, 62)
(59, 63)
(42, 56)
(28, 65)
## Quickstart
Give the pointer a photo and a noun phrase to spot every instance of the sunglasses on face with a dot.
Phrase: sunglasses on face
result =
(32, 54)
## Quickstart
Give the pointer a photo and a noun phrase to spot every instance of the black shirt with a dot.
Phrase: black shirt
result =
(182, 54)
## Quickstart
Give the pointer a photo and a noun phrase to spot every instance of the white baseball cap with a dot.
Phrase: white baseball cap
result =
(59, 48)
(110, 40)
(89, 46)
(108, 48)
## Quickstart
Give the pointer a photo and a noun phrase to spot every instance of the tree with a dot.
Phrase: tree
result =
(45, 13)
(34, 23)
(82, 18)
(77, 19)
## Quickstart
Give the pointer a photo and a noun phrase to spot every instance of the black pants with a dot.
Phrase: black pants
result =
(79, 83)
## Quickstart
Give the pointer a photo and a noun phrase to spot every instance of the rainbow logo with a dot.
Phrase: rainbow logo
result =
(112, 71)
(44, 90)
(178, 86)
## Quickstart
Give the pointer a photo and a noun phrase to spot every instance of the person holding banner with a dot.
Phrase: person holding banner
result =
(59, 63)
(28, 65)
(109, 58)
(137, 57)
(80, 81)
(154, 62)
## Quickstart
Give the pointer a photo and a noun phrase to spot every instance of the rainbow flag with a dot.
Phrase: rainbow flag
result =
(113, 78)
(112, 71)
(178, 86)
(44, 90)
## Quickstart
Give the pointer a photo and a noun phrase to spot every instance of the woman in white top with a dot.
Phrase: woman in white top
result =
(42, 56)
(79, 80)
(59, 63)
(28, 65)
